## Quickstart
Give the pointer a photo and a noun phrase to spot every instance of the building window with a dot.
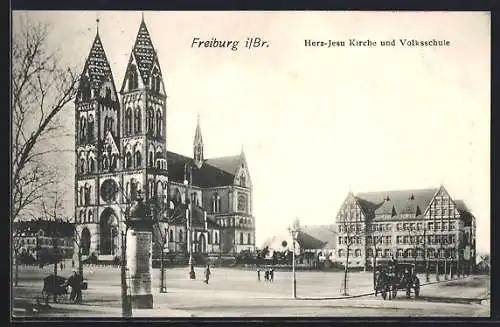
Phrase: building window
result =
(137, 120)
(128, 121)
(82, 166)
(399, 253)
(128, 160)
(180, 236)
(159, 125)
(379, 253)
(430, 226)
(91, 128)
(340, 238)
(150, 120)
(341, 253)
(133, 80)
(138, 159)
(83, 127)
(171, 236)
(249, 239)
(215, 202)
(87, 194)
(216, 238)
(91, 216)
(242, 202)
(387, 253)
(241, 238)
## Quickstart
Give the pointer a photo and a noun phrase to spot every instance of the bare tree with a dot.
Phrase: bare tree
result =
(352, 231)
(41, 89)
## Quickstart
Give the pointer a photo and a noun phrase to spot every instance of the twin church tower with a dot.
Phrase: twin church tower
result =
(121, 153)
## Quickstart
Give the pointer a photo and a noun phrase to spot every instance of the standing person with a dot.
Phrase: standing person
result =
(207, 274)
(258, 274)
(71, 282)
(271, 274)
(79, 282)
(266, 275)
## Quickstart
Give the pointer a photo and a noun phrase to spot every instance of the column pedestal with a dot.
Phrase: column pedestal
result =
(139, 264)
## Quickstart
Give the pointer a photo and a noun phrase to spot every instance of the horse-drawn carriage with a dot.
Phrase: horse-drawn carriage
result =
(398, 276)
(57, 287)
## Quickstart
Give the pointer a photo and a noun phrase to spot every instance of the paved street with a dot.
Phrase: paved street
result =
(236, 293)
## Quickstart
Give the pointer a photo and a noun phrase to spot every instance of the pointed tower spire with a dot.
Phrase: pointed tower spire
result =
(97, 21)
(198, 144)
(96, 72)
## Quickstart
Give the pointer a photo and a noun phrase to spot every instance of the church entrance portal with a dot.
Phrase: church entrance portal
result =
(108, 232)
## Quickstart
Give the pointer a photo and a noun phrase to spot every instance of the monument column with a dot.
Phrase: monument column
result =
(139, 255)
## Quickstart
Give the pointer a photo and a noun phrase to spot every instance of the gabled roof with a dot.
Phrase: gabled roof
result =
(229, 164)
(385, 208)
(370, 201)
(326, 234)
(97, 65)
(206, 176)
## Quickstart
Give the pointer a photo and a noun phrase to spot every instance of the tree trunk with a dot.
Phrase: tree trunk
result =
(17, 269)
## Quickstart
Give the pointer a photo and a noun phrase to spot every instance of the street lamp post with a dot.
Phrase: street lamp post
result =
(295, 233)
(163, 287)
(187, 183)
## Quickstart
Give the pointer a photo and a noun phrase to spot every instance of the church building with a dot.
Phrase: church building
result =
(121, 154)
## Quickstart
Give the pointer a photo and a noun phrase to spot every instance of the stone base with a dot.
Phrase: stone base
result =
(142, 301)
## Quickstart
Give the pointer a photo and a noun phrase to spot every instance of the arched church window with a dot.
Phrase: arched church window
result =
(87, 194)
(83, 127)
(133, 81)
(159, 121)
(91, 128)
(241, 238)
(157, 84)
(151, 120)
(82, 166)
(138, 159)
(128, 121)
(137, 122)
(80, 198)
(105, 163)
(249, 239)
(114, 161)
(150, 163)
(133, 189)
(108, 94)
(128, 160)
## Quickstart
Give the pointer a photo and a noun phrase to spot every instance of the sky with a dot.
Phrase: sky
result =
(314, 122)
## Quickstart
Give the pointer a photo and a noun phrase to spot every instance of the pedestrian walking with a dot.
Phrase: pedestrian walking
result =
(266, 275)
(258, 274)
(207, 274)
(72, 283)
(271, 275)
